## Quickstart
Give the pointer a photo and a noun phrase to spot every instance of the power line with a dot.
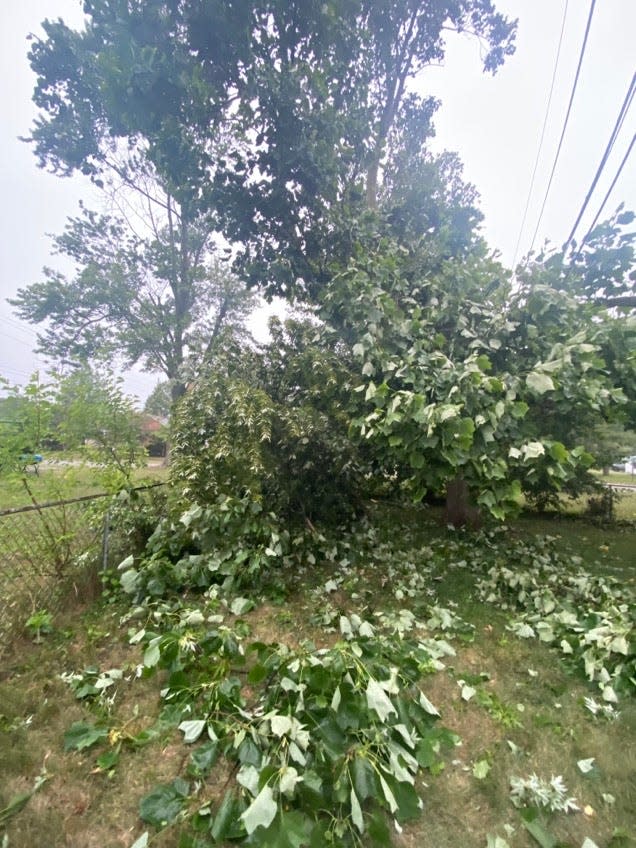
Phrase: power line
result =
(567, 118)
(545, 123)
(16, 374)
(608, 149)
(27, 342)
(609, 191)
(20, 325)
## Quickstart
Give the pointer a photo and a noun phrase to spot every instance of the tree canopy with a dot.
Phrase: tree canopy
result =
(160, 299)
(276, 117)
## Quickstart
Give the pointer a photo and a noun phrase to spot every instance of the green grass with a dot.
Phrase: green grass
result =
(60, 481)
(605, 549)
(527, 714)
(619, 477)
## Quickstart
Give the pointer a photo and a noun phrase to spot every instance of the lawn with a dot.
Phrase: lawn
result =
(85, 733)
(623, 477)
(60, 479)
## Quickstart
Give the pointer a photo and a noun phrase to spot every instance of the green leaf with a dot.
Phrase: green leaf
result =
(257, 674)
(388, 795)
(531, 821)
(532, 450)
(280, 724)
(468, 692)
(108, 760)
(81, 735)
(162, 806)
(408, 801)
(249, 753)
(297, 828)
(427, 706)
(152, 654)
(539, 383)
(225, 817)
(261, 811)
(519, 409)
(585, 766)
(334, 740)
(240, 606)
(378, 700)
(129, 581)
(289, 830)
(558, 452)
(481, 769)
(425, 754)
(378, 829)
(356, 811)
(192, 729)
(416, 460)
(203, 758)
(364, 778)
(17, 803)
(289, 779)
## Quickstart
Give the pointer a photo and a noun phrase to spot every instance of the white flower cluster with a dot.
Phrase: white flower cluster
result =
(534, 791)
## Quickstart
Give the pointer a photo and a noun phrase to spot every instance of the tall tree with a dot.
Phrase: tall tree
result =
(276, 116)
(157, 298)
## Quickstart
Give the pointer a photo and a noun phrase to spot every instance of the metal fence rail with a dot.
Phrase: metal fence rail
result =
(45, 549)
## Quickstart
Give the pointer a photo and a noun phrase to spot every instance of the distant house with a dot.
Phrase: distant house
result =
(154, 434)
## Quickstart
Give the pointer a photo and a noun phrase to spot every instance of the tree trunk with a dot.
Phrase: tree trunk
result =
(372, 183)
(460, 512)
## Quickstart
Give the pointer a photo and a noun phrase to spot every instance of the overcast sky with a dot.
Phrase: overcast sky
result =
(493, 123)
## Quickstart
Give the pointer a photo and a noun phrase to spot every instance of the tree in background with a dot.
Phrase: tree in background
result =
(158, 299)
(609, 442)
(84, 412)
(159, 401)
(25, 421)
(96, 420)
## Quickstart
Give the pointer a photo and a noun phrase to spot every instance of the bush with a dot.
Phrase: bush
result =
(276, 433)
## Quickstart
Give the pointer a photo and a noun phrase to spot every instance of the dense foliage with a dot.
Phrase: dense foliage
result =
(464, 377)
(273, 427)
(276, 118)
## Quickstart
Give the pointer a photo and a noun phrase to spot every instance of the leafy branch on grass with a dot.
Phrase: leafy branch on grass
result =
(589, 618)
(320, 745)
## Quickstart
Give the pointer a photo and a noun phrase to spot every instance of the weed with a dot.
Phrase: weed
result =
(502, 713)
(38, 623)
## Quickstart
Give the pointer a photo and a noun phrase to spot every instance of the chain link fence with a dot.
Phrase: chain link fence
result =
(48, 550)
